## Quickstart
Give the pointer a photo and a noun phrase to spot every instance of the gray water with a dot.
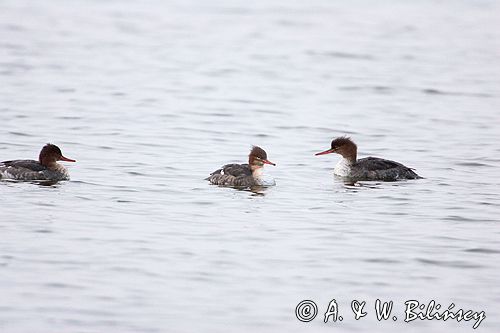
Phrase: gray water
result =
(150, 97)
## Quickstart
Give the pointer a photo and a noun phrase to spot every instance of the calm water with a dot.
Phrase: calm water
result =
(151, 97)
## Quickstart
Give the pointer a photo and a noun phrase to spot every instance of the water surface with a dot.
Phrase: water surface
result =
(150, 97)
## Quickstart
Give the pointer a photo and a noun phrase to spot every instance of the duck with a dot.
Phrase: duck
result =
(46, 168)
(368, 168)
(243, 175)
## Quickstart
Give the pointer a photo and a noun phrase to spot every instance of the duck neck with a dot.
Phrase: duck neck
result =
(350, 153)
(54, 166)
(257, 171)
(349, 159)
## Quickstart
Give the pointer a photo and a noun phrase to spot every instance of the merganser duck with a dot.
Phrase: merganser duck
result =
(46, 168)
(243, 175)
(368, 168)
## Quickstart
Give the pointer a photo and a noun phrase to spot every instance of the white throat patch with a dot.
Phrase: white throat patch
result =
(343, 168)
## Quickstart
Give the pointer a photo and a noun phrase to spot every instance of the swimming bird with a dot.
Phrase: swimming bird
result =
(368, 168)
(243, 175)
(46, 168)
